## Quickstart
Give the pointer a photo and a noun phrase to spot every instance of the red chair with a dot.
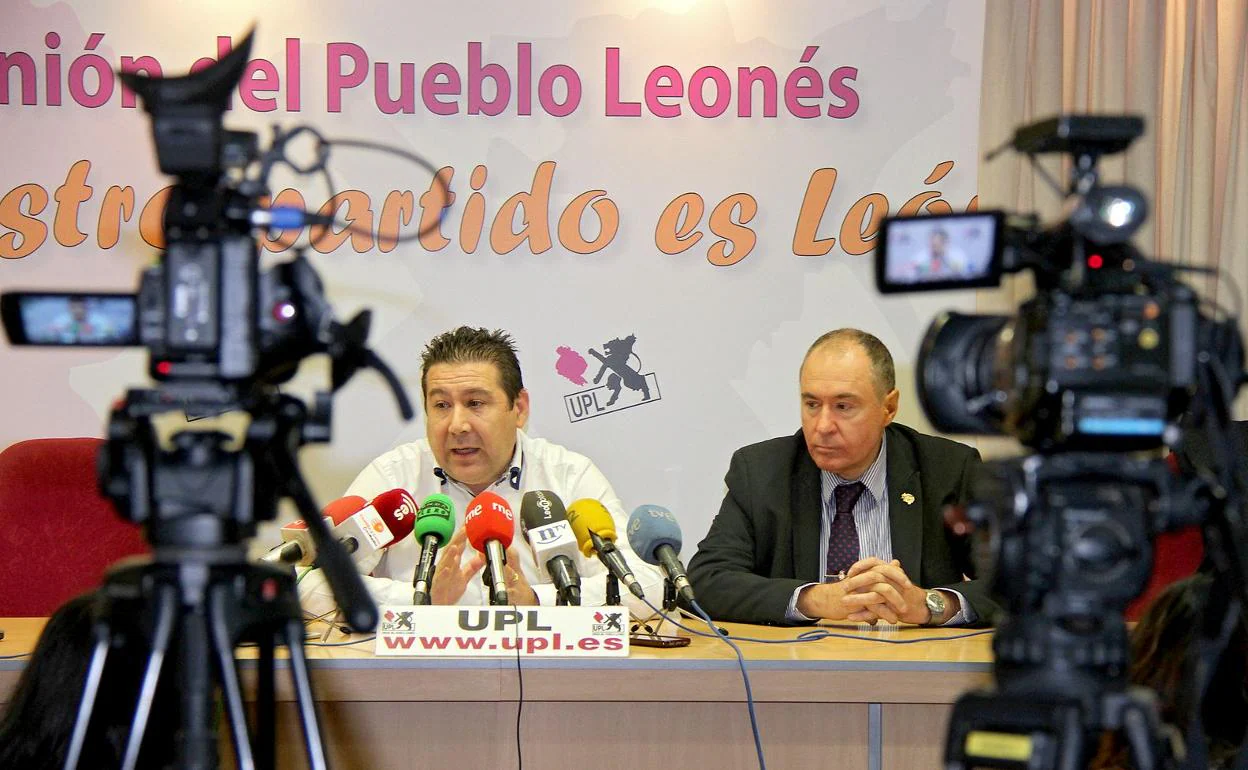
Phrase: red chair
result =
(58, 534)
(1176, 555)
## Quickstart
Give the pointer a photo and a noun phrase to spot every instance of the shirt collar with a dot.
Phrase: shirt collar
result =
(512, 475)
(873, 479)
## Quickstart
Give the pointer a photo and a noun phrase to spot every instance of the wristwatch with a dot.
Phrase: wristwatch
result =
(935, 602)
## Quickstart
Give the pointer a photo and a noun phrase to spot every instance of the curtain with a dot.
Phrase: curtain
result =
(1183, 66)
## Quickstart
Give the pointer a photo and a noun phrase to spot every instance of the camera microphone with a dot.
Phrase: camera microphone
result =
(287, 218)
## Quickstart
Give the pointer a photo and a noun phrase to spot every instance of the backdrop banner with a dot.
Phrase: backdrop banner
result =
(664, 201)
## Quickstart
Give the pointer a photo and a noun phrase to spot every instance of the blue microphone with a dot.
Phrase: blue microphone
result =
(654, 534)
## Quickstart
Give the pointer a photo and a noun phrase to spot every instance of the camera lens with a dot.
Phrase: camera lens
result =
(957, 370)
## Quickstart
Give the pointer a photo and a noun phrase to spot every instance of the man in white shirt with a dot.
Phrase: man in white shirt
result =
(475, 409)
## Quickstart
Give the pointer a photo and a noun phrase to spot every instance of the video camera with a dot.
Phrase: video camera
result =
(1110, 362)
(222, 334)
(1103, 358)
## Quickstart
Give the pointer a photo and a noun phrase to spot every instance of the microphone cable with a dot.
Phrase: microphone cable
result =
(520, 697)
(745, 676)
(813, 635)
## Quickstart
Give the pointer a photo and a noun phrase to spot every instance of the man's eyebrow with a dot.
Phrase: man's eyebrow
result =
(846, 396)
(466, 391)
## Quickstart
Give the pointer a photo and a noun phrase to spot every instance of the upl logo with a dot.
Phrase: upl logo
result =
(618, 384)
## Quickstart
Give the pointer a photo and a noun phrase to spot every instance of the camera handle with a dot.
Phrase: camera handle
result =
(357, 606)
(350, 353)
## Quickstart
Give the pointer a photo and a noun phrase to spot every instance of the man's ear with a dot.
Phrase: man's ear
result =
(522, 408)
(892, 402)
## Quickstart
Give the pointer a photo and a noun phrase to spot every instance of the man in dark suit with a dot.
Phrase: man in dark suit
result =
(844, 519)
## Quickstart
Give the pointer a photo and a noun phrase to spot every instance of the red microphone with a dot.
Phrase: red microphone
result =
(490, 525)
(338, 510)
(297, 546)
(386, 520)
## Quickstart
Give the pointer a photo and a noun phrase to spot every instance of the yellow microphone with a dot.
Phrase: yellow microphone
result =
(595, 534)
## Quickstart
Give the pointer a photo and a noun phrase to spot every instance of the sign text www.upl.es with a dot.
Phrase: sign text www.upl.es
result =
(495, 632)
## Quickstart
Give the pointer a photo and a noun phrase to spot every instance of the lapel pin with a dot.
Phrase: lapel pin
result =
(907, 498)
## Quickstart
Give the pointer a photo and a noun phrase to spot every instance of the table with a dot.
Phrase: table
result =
(861, 702)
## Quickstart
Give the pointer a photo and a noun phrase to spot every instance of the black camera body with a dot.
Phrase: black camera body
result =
(1104, 357)
(1104, 367)
(207, 312)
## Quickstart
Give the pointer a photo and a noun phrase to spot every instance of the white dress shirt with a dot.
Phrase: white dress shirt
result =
(536, 464)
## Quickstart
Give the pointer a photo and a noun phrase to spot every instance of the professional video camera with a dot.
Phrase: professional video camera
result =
(1110, 362)
(222, 335)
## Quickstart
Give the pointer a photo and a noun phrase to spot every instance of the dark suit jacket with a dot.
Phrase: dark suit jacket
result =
(764, 543)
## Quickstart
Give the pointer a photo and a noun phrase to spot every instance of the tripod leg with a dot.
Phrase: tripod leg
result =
(266, 705)
(223, 647)
(303, 696)
(1139, 725)
(165, 616)
(95, 672)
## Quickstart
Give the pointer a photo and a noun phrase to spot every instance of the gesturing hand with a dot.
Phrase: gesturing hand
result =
(450, 578)
(519, 592)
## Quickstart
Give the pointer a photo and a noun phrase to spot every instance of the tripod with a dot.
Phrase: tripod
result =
(190, 615)
(198, 598)
(1053, 715)
(1069, 559)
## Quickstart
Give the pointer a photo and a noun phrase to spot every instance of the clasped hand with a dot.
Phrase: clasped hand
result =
(872, 590)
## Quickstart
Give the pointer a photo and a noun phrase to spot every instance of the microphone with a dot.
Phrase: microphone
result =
(297, 544)
(554, 546)
(387, 519)
(595, 531)
(490, 525)
(655, 535)
(434, 526)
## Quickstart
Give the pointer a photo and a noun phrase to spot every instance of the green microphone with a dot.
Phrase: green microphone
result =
(435, 523)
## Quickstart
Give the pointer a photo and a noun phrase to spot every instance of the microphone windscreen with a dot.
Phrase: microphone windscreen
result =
(650, 527)
(587, 515)
(541, 507)
(436, 517)
(398, 510)
(489, 517)
(339, 510)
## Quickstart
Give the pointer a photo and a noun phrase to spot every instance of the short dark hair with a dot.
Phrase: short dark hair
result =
(469, 345)
(882, 369)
